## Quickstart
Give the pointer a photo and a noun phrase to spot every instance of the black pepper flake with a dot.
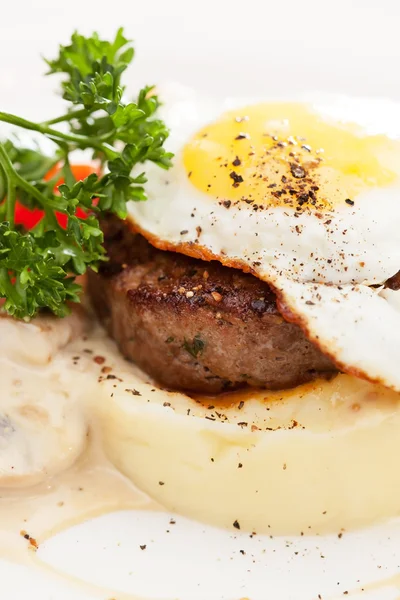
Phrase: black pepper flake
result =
(302, 199)
(237, 162)
(133, 392)
(297, 171)
(143, 547)
(236, 178)
(227, 203)
(350, 202)
(236, 524)
(161, 483)
(184, 231)
(242, 136)
(241, 404)
(240, 465)
(32, 542)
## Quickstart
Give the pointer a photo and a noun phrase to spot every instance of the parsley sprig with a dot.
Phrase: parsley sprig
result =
(38, 268)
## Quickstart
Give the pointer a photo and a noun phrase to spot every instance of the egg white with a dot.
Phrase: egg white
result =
(300, 255)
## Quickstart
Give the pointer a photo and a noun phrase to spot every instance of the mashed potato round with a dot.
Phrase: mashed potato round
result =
(314, 459)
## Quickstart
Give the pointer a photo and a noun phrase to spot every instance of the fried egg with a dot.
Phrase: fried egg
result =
(305, 195)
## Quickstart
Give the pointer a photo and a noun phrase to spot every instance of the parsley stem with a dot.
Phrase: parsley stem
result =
(3, 184)
(30, 189)
(11, 187)
(14, 180)
(80, 140)
(19, 122)
(67, 172)
(74, 114)
(11, 200)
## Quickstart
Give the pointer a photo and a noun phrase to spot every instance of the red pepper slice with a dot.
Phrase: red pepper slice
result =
(30, 218)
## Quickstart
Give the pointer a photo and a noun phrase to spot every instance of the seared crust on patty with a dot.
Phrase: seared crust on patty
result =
(194, 325)
(394, 282)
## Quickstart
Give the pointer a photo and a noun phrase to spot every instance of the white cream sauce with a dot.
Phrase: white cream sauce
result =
(53, 470)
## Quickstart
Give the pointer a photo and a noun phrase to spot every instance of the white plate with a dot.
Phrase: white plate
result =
(253, 47)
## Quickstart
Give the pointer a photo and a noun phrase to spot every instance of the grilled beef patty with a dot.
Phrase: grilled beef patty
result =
(197, 325)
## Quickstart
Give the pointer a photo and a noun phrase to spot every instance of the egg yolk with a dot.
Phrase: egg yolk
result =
(285, 154)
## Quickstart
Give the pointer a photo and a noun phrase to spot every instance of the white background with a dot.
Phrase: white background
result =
(245, 47)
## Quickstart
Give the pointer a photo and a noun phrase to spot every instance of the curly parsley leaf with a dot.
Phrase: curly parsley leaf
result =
(38, 268)
(30, 278)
